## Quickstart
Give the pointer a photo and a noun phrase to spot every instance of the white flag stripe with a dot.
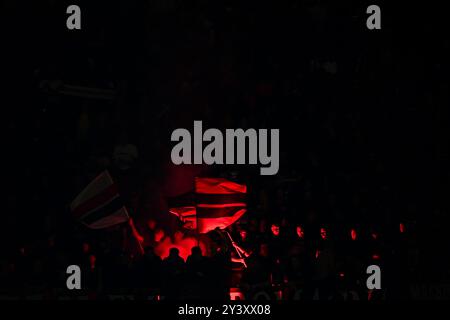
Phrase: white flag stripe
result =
(100, 183)
(119, 216)
(98, 208)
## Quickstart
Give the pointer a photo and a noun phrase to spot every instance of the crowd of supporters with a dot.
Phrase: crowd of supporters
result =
(304, 260)
(362, 144)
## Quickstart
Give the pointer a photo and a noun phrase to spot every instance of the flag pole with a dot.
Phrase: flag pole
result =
(135, 233)
(238, 252)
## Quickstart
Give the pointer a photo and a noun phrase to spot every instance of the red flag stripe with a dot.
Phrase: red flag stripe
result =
(207, 224)
(183, 211)
(223, 205)
(217, 212)
(218, 186)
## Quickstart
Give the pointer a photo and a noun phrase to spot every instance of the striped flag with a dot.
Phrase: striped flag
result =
(187, 215)
(217, 203)
(99, 205)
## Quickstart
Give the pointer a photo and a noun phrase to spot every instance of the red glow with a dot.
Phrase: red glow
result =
(402, 228)
(375, 257)
(209, 214)
(323, 233)
(243, 234)
(207, 224)
(218, 186)
(353, 234)
(92, 261)
(317, 254)
(151, 224)
(275, 230)
(236, 294)
(221, 205)
(182, 243)
(159, 235)
(136, 234)
(188, 215)
(300, 232)
(374, 236)
(341, 274)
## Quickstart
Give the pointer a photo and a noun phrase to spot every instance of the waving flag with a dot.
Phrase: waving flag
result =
(217, 203)
(99, 205)
(187, 214)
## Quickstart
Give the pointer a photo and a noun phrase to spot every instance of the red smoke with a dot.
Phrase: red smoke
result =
(183, 243)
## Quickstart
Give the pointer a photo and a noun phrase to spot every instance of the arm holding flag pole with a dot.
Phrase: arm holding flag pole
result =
(242, 251)
(100, 206)
(238, 250)
(136, 235)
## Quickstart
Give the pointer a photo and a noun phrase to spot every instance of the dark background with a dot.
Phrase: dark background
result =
(363, 114)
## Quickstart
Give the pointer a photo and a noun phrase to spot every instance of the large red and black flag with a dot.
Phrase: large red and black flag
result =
(99, 205)
(216, 203)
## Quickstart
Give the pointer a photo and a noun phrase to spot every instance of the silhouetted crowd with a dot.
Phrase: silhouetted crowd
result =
(363, 140)
(282, 259)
